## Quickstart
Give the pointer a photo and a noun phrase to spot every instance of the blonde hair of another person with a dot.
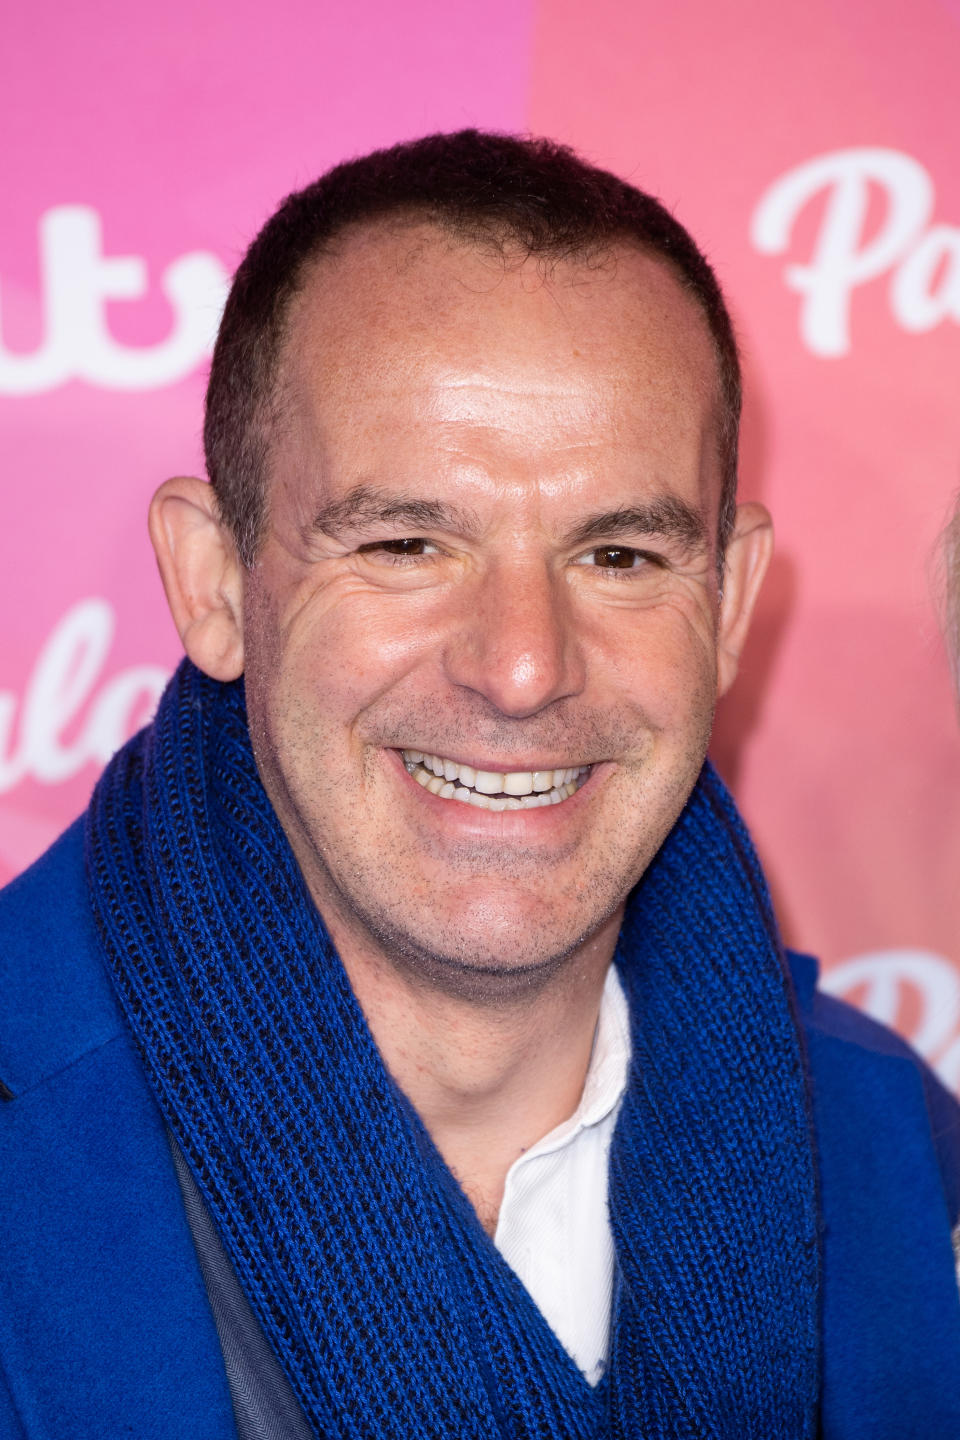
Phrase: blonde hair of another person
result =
(949, 589)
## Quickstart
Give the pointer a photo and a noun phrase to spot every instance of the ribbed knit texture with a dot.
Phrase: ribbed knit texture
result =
(387, 1305)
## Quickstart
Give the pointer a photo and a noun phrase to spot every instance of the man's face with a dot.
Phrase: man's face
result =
(490, 555)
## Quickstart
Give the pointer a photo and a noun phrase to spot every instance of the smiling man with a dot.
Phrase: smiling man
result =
(424, 1057)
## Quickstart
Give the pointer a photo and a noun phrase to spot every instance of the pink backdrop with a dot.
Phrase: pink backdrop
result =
(811, 149)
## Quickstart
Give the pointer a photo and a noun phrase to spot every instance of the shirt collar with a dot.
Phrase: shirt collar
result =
(606, 1073)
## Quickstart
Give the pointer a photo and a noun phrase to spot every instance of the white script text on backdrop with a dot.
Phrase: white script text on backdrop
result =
(922, 259)
(65, 693)
(77, 280)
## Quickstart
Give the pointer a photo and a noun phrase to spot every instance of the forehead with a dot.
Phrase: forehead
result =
(405, 332)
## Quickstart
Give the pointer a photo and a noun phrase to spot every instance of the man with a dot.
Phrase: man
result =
(328, 1112)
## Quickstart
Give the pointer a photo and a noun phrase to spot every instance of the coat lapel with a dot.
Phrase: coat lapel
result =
(105, 1328)
(891, 1316)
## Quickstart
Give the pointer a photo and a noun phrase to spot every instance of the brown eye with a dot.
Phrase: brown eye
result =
(407, 545)
(615, 557)
(412, 546)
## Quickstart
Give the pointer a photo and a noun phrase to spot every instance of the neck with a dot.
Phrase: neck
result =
(487, 1081)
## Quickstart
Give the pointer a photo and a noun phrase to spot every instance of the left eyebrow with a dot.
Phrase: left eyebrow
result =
(667, 518)
(367, 506)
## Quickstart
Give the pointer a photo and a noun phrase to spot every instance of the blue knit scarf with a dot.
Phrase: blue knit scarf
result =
(385, 1302)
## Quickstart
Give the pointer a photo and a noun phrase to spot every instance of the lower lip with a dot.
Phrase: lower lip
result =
(522, 823)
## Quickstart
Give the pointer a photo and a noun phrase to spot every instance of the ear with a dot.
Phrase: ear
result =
(202, 575)
(748, 555)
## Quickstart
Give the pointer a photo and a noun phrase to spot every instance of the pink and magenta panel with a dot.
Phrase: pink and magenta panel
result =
(811, 148)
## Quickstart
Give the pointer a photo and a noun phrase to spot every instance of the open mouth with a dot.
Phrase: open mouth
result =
(493, 789)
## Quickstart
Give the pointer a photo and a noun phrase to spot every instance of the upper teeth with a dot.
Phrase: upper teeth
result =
(492, 789)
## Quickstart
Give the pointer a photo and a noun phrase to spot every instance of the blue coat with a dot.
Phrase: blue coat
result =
(105, 1329)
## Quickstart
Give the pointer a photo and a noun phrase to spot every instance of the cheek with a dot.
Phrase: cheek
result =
(666, 662)
(356, 652)
(334, 656)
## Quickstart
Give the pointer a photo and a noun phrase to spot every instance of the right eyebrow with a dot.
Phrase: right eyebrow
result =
(366, 506)
(667, 517)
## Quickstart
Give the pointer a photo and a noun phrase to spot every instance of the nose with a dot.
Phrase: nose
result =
(517, 643)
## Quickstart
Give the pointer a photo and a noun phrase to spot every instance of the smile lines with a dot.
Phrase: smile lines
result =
(493, 789)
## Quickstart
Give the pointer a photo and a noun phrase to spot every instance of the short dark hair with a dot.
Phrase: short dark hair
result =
(529, 195)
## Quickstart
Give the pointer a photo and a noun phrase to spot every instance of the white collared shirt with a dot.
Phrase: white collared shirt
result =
(553, 1230)
(554, 1226)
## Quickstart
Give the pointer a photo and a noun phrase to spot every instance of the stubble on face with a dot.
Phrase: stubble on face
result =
(464, 914)
(365, 891)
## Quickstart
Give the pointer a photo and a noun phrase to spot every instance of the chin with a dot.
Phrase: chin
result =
(476, 976)
(493, 957)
